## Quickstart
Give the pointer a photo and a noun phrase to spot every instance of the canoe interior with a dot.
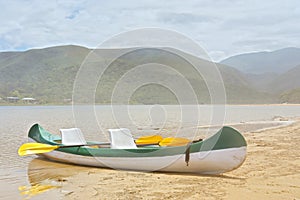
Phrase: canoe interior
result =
(225, 138)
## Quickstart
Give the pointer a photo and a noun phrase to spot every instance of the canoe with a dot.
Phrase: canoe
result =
(222, 152)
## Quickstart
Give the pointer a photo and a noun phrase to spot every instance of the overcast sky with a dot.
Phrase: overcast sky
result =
(222, 27)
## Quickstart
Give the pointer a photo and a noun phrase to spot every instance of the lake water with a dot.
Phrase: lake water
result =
(142, 120)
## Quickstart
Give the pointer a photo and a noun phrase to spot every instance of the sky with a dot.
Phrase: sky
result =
(222, 27)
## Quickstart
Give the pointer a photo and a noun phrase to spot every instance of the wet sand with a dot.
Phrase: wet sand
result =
(271, 171)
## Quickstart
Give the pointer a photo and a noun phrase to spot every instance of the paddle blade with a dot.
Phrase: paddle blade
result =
(170, 142)
(147, 140)
(35, 148)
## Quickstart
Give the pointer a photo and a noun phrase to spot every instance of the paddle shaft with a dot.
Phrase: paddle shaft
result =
(104, 143)
(81, 145)
(107, 143)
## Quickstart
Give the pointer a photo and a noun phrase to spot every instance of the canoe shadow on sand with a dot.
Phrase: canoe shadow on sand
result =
(44, 175)
(223, 176)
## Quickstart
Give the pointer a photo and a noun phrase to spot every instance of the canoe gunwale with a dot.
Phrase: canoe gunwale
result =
(233, 139)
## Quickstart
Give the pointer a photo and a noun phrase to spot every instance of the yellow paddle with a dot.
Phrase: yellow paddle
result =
(171, 142)
(157, 139)
(36, 148)
(148, 140)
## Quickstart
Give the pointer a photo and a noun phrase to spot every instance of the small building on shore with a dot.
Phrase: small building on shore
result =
(12, 99)
(29, 100)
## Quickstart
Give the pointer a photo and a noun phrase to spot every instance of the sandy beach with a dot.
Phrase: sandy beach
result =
(271, 171)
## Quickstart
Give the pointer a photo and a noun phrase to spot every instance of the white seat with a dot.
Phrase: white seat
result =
(121, 139)
(72, 136)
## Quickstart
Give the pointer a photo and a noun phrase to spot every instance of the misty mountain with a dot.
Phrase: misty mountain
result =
(275, 62)
(285, 82)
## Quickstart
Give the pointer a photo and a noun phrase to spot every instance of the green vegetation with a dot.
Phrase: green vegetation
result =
(48, 75)
(45, 74)
(292, 96)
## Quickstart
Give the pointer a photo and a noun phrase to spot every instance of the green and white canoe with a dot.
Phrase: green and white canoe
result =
(222, 152)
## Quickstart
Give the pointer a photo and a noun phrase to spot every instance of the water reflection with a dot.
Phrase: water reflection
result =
(47, 178)
(30, 191)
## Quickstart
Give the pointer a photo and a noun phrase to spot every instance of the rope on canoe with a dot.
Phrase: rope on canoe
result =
(187, 154)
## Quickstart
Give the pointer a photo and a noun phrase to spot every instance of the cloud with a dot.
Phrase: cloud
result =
(223, 28)
(74, 14)
(183, 18)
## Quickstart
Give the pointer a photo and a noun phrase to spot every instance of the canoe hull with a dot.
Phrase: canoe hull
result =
(213, 162)
(222, 152)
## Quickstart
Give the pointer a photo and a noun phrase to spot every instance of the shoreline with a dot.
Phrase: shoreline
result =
(271, 171)
(258, 126)
(98, 104)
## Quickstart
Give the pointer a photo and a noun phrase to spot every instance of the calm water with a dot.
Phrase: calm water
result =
(166, 120)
